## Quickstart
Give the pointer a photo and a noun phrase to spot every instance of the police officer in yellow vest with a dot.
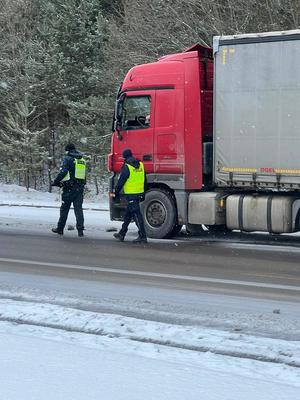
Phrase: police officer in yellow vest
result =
(72, 178)
(132, 180)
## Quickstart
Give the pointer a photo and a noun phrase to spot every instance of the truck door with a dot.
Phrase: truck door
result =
(137, 127)
(169, 131)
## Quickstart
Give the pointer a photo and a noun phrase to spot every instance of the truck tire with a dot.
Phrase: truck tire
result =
(159, 212)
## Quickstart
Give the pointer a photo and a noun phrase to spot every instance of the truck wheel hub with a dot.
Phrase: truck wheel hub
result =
(156, 214)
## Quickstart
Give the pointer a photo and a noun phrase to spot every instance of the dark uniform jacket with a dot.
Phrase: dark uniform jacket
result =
(124, 175)
(68, 165)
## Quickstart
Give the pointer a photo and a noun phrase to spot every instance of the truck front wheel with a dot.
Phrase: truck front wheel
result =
(159, 212)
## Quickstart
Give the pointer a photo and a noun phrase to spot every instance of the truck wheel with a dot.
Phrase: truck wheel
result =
(159, 214)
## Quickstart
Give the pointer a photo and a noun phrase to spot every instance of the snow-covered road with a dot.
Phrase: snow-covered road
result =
(122, 359)
(50, 351)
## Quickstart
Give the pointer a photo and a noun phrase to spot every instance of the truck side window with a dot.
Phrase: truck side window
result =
(136, 112)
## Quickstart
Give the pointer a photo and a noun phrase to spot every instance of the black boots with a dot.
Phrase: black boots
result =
(140, 240)
(58, 231)
(119, 237)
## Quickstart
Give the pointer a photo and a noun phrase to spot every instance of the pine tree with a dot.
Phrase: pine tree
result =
(70, 79)
(21, 148)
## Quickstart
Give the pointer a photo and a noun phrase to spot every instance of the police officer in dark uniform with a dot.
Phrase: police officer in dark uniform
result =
(132, 180)
(72, 178)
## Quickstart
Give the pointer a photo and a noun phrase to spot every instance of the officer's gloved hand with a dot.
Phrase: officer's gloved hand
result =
(58, 184)
(116, 197)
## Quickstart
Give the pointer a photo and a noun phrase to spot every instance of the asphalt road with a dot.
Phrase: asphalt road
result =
(231, 285)
(207, 266)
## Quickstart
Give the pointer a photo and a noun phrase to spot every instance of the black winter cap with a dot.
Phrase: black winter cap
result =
(70, 147)
(127, 153)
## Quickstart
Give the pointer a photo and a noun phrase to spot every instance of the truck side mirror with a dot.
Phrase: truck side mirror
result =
(119, 115)
(118, 126)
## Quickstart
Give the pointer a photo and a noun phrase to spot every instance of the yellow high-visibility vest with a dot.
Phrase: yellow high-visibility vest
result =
(136, 181)
(80, 170)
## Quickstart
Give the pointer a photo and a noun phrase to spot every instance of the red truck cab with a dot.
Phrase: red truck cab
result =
(164, 114)
(231, 165)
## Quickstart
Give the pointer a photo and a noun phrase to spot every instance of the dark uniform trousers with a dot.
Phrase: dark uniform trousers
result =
(133, 211)
(72, 194)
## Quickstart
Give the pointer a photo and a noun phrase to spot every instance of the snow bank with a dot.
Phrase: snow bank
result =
(18, 195)
(185, 337)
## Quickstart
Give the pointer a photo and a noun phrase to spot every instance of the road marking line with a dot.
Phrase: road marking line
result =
(153, 274)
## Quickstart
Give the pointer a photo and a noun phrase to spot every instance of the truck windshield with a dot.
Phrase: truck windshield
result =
(136, 112)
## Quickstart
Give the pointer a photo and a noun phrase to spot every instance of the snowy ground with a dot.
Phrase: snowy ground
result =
(57, 352)
(39, 211)
(113, 362)
(17, 195)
